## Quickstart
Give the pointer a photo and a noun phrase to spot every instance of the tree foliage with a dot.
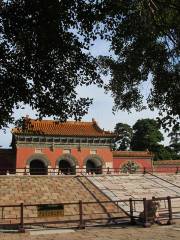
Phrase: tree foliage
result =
(146, 135)
(42, 59)
(124, 135)
(161, 152)
(175, 142)
(44, 55)
(145, 38)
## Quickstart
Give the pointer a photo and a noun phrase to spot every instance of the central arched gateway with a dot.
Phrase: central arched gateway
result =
(94, 164)
(38, 164)
(67, 164)
(37, 167)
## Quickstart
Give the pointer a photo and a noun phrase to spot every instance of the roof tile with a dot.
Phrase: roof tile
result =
(132, 154)
(56, 128)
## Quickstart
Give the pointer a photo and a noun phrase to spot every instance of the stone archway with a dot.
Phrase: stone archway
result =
(67, 164)
(38, 164)
(37, 167)
(93, 164)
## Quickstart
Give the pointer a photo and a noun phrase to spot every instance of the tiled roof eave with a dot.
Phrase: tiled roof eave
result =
(166, 162)
(67, 129)
(131, 154)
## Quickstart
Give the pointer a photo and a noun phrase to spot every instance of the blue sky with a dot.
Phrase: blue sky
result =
(101, 109)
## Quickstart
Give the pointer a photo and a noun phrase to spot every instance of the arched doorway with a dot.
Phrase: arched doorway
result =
(37, 167)
(66, 168)
(67, 164)
(93, 166)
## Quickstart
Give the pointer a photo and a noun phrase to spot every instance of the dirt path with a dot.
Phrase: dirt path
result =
(108, 233)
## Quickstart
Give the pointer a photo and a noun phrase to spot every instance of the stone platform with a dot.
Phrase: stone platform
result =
(65, 190)
(139, 186)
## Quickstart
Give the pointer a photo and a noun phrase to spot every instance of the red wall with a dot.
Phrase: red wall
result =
(166, 169)
(118, 162)
(24, 153)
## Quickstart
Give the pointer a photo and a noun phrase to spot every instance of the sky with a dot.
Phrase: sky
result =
(100, 110)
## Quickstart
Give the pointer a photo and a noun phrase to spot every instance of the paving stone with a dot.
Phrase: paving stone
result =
(139, 186)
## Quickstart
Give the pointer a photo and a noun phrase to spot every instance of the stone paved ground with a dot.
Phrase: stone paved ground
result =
(138, 186)
(107, 233)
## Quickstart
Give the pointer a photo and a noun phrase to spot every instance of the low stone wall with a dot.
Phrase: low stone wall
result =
(167, 166)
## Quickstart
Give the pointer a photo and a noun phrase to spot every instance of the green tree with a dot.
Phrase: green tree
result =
(44, 55)
(146, 135)
(174, 155)
(175, 142)
(145, 39)
(162, 153)
(43, 59)
(124, 135)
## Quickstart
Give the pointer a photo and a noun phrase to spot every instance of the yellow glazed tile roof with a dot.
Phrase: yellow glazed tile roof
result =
(69, 128)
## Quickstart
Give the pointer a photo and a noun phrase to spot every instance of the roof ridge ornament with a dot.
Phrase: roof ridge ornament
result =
(93, 120)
